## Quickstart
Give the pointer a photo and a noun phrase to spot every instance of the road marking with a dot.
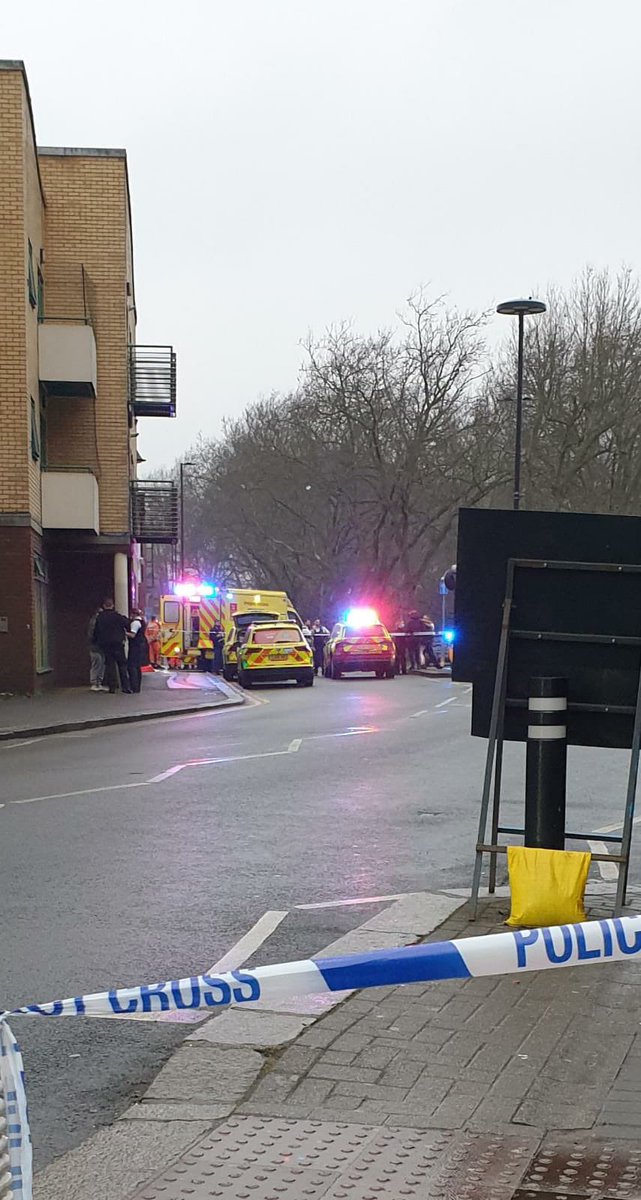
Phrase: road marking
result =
(354, 732)
(345, 903)
(606, 870)
(19, 744)
(294, 745)
(249, 943)
(467, 691)
(444, 702)
(168, 773)
(112, 787)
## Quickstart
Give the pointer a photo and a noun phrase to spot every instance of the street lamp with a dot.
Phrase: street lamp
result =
(520, 309)
(182, 515)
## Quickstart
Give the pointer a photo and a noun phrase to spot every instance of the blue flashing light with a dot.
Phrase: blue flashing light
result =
(206, 589)
(230, 595)
(449, 635)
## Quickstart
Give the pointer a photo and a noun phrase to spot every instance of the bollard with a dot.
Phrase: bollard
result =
(546, 763)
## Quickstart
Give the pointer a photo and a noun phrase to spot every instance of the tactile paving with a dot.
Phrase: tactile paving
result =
(483, 1167)
(577, 1169)
(250, 1158)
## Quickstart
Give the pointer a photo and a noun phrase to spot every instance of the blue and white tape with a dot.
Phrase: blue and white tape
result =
(613, 940)
(18, 1137)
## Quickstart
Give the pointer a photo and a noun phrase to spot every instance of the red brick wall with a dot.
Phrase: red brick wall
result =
(17, 655)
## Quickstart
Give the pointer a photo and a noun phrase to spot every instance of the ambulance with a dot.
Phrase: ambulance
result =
(188, 614)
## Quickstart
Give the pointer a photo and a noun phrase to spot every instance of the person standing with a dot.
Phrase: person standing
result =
(153, 642)
(218, 641)
(321, 634)
(96, 657)
(400, 645)
(137, 644)
(428, 644)
(414, 627)
(109, 632)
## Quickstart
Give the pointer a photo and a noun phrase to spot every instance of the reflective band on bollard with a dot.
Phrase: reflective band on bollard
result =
(615, 939)
(546, 763)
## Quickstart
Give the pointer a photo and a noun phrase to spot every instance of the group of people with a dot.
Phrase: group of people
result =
(118, 649)
(413, 639)
(317, 634)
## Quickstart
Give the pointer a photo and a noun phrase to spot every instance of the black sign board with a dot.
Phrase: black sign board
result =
(576, 612)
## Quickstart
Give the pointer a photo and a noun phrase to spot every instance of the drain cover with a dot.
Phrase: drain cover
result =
(524, 1194)
(575, 1169)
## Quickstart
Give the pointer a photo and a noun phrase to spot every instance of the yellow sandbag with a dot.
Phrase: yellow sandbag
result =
(547, 886)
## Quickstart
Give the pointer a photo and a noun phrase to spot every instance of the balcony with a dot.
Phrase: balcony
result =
(154, 511)
(66, 341)
(70, 500)
(152, 381)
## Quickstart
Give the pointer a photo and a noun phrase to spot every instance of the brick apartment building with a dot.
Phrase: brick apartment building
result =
(72, 385)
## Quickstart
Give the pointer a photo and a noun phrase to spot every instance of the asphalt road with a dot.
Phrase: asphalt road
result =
(141, 853)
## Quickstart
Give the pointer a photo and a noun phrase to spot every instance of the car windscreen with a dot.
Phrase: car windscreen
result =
(365, 631)
(272, 637)
(242, 620)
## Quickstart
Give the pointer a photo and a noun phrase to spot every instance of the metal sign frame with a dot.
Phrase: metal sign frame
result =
(501, 701)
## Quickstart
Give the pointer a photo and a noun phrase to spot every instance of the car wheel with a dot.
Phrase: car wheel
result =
(380, 674)
(244, 680)
(389, 674)
(335, 671)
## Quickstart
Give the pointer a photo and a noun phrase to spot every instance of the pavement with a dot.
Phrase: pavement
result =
(234, 835)
(67, 709)
(506, 1088)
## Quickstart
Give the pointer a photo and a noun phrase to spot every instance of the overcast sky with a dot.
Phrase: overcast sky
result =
(295, 163)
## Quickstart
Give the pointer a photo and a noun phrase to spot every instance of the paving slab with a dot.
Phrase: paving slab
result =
(115, 1161)
(202, 1074)
(242, 1027)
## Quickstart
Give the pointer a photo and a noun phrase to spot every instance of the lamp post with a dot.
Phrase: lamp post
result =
(182, 515)
(520, 309)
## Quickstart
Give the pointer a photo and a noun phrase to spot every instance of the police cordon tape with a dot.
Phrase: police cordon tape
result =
(616, 939)
(15, 1138)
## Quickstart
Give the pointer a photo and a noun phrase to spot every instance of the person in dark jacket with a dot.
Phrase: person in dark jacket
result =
(321, 634)
(400, 645)
(218, 641)
(137, 649)
(110, 631)
(414, 626)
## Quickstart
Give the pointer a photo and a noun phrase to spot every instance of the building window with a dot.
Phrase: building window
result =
(42, 617)
(31, 278)
(35, 432)
(41, 296)
(43, 434)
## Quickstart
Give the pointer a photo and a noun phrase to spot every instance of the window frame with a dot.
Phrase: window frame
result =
(31, 278)
(34, 432)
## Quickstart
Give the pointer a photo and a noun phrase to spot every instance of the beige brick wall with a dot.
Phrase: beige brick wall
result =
(15, 474)
(34, 233)
(87, 222)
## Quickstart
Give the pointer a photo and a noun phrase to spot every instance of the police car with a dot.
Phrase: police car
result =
(273, 651)
(359, 643)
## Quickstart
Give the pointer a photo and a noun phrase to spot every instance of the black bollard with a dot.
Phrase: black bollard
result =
(546, 763)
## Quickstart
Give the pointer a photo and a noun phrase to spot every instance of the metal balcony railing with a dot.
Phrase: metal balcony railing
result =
(66, 294)
(154, 511)
(152, 381)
